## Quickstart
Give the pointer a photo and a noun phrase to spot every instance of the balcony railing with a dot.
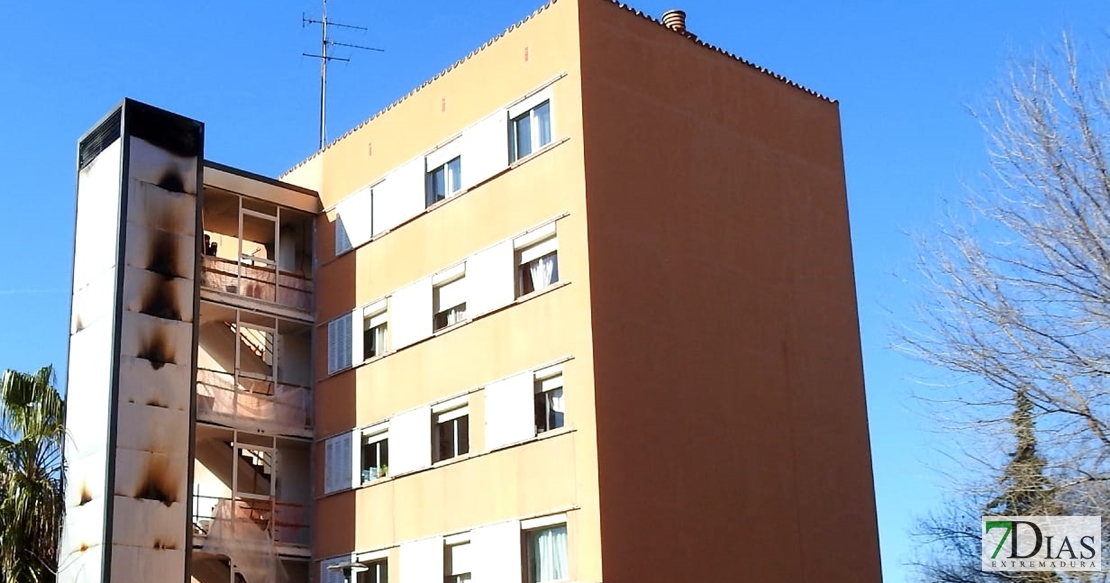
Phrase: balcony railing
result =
(261, 282)
(285, 523)
(266, 405)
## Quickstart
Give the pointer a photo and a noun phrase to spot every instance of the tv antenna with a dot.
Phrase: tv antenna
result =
(325, 57)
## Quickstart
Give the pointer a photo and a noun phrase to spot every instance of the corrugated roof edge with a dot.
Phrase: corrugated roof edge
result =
(763, 70)
(422, 85)
(619, 4)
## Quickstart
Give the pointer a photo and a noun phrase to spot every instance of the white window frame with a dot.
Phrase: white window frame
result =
(450, 574)
(370, 435)
(527, 107)
(530, 248)
(370, 565)
(528, 529)
(444, 413)
(455, 276)
(374, 316)
(547, 380)
(451, 176)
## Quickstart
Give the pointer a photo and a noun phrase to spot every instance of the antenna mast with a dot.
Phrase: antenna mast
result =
(325, 57)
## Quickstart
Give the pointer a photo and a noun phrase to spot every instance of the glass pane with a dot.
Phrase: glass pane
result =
(547, 554)
(543, 123)
(463, 429)
(454, 169)
(445, 441)
(522, 136)
(437, 186)
(555, 409)
(540, 403)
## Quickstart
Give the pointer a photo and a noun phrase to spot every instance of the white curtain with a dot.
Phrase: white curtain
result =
(544, 271)
(557, 406)
(549, 554)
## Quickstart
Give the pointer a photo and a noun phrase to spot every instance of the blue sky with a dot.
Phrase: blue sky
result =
(903, 73)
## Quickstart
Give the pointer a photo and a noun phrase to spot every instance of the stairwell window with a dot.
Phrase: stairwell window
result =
(545, 551)
(530, 131)
(375, 454)
(444, 181)
(537, 266)
(451, 434)
(374, 326)
(449, 298)
(550, 407)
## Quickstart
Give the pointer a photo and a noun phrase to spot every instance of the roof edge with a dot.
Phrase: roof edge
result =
(412, 92)
(732, 56)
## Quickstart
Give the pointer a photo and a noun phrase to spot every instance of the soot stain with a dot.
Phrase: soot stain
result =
(86, 496)
(84, 547)
(163, 255)
(78, 325)
(157, 349)
(172, 181)
(158, 483)
(157, 403)
(160, 300)
(164, 546)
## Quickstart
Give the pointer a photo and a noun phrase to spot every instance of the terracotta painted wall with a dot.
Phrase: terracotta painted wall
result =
(732, 429)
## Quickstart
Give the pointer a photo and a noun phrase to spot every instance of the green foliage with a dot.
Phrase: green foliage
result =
(32, 433)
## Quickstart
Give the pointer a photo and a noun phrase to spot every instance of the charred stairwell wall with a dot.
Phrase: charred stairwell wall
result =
(133, 333)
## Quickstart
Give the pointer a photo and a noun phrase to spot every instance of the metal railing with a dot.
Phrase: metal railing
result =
(269, 406)
(266, 283)
(285, 522)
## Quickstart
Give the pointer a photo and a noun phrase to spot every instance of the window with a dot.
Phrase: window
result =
(530, 131)
(337, 463)
(375, 455)
(339, 343)
(456, 563)
(537, 266)
(549, 404)
(451, 434)
(449, 299)
(443, 181)
(376, 572)
(546, 554)
(374, 328)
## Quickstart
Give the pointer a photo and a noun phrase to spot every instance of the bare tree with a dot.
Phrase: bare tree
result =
(1019, 288)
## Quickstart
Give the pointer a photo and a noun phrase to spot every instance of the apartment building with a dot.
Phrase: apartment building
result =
(580, 308)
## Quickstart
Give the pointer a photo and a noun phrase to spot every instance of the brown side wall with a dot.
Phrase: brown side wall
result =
(731, 422)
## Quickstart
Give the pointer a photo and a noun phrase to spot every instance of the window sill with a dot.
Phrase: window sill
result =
(532, 155)
(439, 203)
(519, 300)
(538, 293)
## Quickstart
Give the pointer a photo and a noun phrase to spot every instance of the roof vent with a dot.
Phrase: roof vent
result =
(676, 21)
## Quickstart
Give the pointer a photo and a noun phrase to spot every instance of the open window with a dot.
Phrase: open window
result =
(451, 432)
(537, 260)
(550, 407)
(377, 571)
(375, 329)
(456, 560)
(449, 298)
(375, 453)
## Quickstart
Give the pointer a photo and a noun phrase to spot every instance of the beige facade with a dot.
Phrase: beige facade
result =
(581, 308)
